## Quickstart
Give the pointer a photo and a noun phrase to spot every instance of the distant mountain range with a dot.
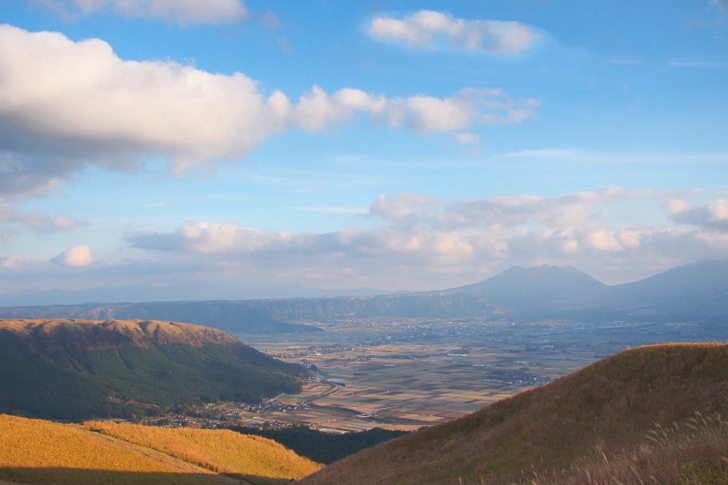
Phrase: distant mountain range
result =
(527, 289)
(76, 369)
(687, 293)
(177, 292)
(690, 292)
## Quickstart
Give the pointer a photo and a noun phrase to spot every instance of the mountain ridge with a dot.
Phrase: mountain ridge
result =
(77, 370)
(89, 335)
(686, 293)
(531, 287)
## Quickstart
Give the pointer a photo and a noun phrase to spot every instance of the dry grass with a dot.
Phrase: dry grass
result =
(42, 452)
(609, 405)
(221, 451)
(694, 453)
(32, 451)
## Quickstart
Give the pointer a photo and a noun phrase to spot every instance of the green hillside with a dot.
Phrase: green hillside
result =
(76, 370)
(617, 407)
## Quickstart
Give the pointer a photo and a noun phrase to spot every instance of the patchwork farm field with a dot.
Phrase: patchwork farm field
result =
(405, 374)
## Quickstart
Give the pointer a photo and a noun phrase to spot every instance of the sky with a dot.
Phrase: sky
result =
(247, 147)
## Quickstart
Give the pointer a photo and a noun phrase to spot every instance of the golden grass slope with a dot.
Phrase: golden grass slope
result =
(35, 451)
(42, 452)
(610, 406)
(221, 451)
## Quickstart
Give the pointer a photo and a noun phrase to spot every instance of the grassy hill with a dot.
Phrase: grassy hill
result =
(41, 452)
(611, 419)
(75, 369)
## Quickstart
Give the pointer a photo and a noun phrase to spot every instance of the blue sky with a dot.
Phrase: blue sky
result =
(333, 145)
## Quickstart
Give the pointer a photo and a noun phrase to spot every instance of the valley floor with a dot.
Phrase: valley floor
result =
(403, 374)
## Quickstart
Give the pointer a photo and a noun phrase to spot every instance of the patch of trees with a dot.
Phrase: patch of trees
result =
(323, 447)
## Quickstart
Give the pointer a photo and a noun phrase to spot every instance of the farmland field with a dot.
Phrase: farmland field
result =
(409, 373)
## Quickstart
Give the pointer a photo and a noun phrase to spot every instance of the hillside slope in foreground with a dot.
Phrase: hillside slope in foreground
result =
(42, 452)
(629, 417)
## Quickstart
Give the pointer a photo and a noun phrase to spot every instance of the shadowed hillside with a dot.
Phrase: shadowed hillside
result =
(610, 405)
(75, 369)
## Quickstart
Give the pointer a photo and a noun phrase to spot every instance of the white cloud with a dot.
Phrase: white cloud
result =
(76, 256)
(183, 12)
(426, 114)
(433, 30)
(555, 212)
(389, 256)
(603, 240)
(628, 238)
(79, 102)
(414, 245)
(13, 261)
(331, 210)
(318, 109)
(711, 216)
(401, 207)
(427, 244)
(66, 104)
(38, 220)
(467, 138)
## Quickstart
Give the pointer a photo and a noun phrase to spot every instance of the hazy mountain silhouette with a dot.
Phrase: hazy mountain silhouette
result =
(687, 293)
(535, 288)
(176, 292)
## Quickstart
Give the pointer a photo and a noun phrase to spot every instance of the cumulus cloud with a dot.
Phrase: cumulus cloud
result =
(601, 239)
(414, 245)
(183, 12)
(318, 109)
(13, 261)
(66, 104)
(426, 237)
(711, 216)
(76, 256)
(433, 30)
(553, 212)
(401, 207)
